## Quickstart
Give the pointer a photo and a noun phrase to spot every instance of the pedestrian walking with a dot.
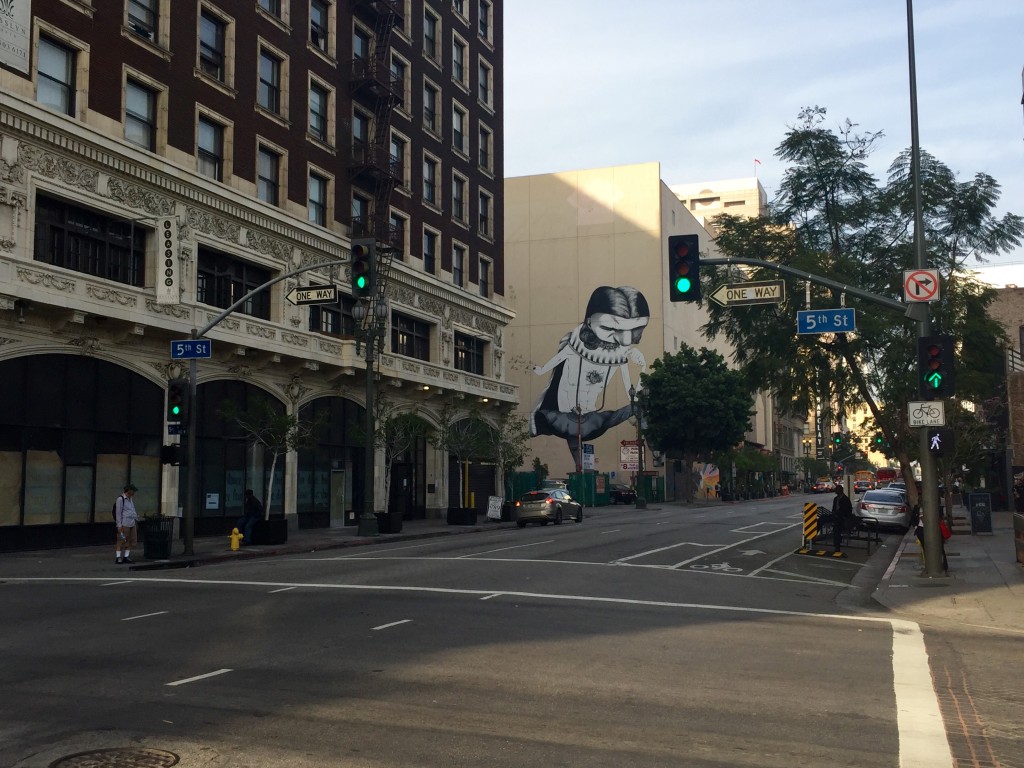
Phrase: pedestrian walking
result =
(252, 510)
(842, 516)
(126, 519)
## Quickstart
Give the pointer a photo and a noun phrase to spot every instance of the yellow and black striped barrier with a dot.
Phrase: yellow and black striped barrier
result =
(811, 533)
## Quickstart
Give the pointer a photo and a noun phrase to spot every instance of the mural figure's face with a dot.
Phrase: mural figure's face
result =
(613, 330)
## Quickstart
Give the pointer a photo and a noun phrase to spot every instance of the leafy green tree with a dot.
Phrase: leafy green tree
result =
(396, 432)
(831, 217)
(265, 424)
(463, 433)
(694, 405)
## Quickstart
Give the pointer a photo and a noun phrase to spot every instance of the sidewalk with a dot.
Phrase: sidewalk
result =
(985, 587)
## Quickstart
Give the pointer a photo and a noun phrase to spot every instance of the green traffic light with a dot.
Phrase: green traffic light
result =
(933, 379)
(176, 409)
(361, 282)
(683, 284)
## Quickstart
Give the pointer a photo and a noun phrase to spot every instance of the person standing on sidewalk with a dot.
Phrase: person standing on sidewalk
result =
(126, 519)
(252, 510)
(842, 512)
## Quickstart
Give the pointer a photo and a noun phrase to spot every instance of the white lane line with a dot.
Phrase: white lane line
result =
(771, 563)
(809, 579)
(504, 549)
(144, 616)
(199, 677)
(614, 530)
(282, 589)
(115, 583)
(488, 597)
(745, 528)
(662, 549)
(392, 624)
(923, 742)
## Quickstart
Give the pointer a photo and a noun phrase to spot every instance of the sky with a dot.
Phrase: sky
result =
(705, 88)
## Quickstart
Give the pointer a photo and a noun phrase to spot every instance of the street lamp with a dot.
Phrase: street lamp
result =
(370, 323)
(634, 406)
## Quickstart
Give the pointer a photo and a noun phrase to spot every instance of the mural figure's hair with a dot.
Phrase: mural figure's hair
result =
(624, 301)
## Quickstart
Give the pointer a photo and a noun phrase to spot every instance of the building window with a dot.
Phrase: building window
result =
(317, 199)
(398, 225)
(484, 19)
(360, 45)
(143, 16)
(55, 83)
(361, 224)
(458, 60)
(140, 115)
(485, 278)
(319, 23)
(318, 115)
(398, 70)
(273, 7)
(484, 214)
(459, 120)
(269, 93)
(210, 149)
(212, 34)
(221, 280)
(410, 337)
(430, 239)
(335, 319)
(360, 135)
(430, 38)
(399, 147)
(268, 176)
(484, 147)
(458, 198)
(458, 265)
(459, 6)
(430, 101)
(85, 241)
(485, 84)
(469, 354)
(430, 180)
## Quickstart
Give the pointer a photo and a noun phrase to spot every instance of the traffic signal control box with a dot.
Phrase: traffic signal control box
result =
(684, 268)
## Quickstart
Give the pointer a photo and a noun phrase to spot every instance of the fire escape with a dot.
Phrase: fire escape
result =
(373, 168)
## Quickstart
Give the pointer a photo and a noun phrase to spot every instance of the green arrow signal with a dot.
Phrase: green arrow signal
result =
(933, 379)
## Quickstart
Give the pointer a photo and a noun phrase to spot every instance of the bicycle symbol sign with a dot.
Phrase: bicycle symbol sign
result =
(929, 413)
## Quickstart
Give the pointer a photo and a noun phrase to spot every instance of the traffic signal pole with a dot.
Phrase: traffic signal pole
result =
(933, 560)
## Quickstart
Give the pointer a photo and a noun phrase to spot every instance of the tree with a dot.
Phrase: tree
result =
(396, 432)
(462, 433)
(507, 448)
(832, 217)
(694, 405)
(265, 424)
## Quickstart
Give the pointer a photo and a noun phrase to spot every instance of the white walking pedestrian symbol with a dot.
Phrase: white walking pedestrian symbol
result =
(936, 443)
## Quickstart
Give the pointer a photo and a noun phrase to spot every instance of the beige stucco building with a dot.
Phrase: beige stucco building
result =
(579, 239)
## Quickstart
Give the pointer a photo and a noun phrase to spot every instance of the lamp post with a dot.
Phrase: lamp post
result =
(641, 502)
(370, 320)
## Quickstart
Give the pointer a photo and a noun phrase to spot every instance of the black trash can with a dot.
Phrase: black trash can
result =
(156, 536)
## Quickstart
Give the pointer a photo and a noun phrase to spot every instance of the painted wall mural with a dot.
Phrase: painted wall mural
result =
(573, 404)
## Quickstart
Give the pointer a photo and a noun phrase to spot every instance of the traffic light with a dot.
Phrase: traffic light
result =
(879, 442)
(177, 400)
(684, 268)
(170, 454)
(935, 378)
(941, 441)
(837, 439)
(364, 267)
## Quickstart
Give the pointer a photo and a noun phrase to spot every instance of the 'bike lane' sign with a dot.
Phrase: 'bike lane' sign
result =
(927, 413)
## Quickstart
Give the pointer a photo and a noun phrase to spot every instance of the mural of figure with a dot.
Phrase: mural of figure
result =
(586, 361)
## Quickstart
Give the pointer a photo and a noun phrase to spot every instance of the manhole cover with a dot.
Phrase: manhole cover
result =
(118, 758)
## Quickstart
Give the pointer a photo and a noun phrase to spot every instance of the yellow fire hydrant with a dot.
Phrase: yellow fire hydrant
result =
(236, 539)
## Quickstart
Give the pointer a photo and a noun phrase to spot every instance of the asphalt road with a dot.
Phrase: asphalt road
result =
(637, 638)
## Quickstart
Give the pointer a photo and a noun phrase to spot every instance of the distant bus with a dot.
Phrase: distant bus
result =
(864, 479)
(886, 475)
